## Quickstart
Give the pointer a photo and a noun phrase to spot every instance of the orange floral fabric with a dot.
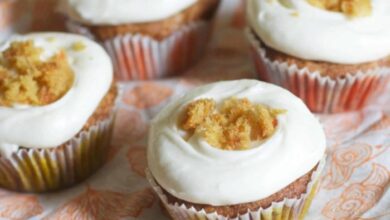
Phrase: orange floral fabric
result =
(103, 204)
(354, 184)
(18, 206)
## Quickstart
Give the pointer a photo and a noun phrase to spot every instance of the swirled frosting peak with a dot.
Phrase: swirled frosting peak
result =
(190, 168)
(356, 31)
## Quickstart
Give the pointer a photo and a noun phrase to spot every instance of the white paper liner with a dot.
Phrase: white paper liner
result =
(283, 210)
(321, 94)
(44, 170)
(139, 57)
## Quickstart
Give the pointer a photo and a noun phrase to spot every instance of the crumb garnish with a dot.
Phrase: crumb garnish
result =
(51, 39)
(286, 3)
(234, 125)
(295, 14)
(78, 46)
(351, 8)
(26, 79)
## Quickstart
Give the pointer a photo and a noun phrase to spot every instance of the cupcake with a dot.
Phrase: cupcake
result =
(236, 150)
(146, 39)
(57, 102)
(334, 55)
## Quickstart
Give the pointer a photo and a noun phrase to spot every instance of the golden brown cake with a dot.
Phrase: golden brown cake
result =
(332, 70)
(293, 191)
(203, 10)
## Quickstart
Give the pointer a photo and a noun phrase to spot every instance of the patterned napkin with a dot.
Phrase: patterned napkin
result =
(354, 184)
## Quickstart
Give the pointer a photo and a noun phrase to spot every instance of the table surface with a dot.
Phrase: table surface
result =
(354, 184)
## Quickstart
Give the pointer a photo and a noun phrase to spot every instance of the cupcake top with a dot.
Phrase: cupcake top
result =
(116, 12)
(50, 84)
(341, 31)
(233, 142)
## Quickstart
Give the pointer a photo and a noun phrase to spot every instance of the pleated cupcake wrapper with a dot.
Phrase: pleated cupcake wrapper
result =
(139, 57)
(44, 170)
(320, 93)
(14, 16)
(288, 209)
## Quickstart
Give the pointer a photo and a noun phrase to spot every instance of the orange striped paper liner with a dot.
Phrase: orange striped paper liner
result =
(45, 170)
(320, 93)
(287, 209)
(139, 57)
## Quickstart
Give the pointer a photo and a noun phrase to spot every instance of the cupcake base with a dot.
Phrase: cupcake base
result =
(140, 57)
(322, 93)
(158, 49)
(295, 208)
(50, 169)
(44, 170)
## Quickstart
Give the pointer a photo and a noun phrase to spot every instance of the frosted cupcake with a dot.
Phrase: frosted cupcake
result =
(335, 55)
(236, 150)
(146, 39)
(56, 110)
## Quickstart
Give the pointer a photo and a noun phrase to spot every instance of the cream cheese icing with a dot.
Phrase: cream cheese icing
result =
(194, 171)
(115, 12)
(299, 29)
(54, 124)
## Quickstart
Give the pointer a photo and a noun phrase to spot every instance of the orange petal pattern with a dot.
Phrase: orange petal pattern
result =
(103, 205)
(129, 127)
(383, 124)
(19, 206)
(343, 163)
(137, 159)
(337, 126)
(359, 197)
(147, 95)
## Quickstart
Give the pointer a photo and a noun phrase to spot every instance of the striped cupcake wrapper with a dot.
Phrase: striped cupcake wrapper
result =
(288, 209)
(320, 93)
(15, 16)
(45, 170)
(139, 57)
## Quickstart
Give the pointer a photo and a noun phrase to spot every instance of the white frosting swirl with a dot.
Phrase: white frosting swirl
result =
(199, 173)
(54, 124)
(311, 33)
(114, 12)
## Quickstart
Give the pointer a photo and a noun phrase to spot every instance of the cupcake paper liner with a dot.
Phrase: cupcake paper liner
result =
(44, 170)
(321, 94)
(139, 57)
(15, 16)
(288, 209)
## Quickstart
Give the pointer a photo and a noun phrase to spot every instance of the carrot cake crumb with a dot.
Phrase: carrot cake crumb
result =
(234, 125)
(351, 8)
(51, 39)
(295, 14)
(78, 46)
(26, 79)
